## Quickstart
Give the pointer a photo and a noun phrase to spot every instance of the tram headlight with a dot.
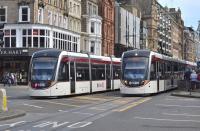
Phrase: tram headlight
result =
(126, 82)
(144, 82)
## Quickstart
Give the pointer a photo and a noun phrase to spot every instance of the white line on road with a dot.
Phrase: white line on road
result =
(33, 106)
(77, 112)
(83, 113)
(170, 120)
(63, 104)
(169, 99)
(177, 106)
(185, 114)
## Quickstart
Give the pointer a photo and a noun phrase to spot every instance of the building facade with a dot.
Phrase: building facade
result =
(177, 32)
(198, 43)
(189, 45)
(31, 25)
(91, 37)
(127, 30)
(106, 11)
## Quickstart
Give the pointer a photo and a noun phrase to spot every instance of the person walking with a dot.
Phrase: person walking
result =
(187, 78)
(193, 79)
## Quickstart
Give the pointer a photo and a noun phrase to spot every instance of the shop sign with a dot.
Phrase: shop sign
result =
(13, 52)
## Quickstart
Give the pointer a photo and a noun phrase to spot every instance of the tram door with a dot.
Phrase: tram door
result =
(158, 76)
(108, 77)
(72, 77)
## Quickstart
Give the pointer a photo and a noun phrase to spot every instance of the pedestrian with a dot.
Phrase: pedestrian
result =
(187, 78)
(193, 79)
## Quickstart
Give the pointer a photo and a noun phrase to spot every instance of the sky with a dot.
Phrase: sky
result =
(190, 10)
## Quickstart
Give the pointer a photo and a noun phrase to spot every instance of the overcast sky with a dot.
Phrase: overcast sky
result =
(190, 10)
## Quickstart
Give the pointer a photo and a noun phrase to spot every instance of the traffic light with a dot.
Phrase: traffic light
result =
(1, 34)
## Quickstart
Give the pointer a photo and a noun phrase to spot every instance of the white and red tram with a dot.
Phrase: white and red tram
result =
(58, 73)
(147, 72)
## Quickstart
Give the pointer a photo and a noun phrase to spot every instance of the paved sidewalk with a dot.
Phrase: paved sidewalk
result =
(11, 114)
(184, 93)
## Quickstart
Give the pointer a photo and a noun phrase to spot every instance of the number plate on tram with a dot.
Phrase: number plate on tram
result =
(134, 82)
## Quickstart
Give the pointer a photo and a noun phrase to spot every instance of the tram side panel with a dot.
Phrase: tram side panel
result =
(82, 83)
(98, 77)
(116, 76)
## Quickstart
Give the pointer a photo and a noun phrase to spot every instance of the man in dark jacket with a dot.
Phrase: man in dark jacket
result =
(187, 78)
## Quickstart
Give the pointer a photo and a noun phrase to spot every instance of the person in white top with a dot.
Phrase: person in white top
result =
(193, 79)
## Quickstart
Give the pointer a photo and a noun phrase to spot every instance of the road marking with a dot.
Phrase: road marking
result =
(13, 124)
(56, 103)
(91, 98)
(83, 113)
(83, 101)
(170, 120)
(177, 106)
(136, 103)
(185, 114)
(80, 124)
(169, 99)
(96, 108)
(33, 106)
(49, 123)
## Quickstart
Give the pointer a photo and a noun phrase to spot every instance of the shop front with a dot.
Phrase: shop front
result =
(16, 61)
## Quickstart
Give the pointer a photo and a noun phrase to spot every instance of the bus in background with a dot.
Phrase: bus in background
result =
(58, 73)
(147, 72)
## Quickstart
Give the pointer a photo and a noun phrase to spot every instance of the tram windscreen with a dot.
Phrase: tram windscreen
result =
(134, 68)
(43, 68)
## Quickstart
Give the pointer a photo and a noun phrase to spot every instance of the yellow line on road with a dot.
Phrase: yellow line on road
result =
(136, 103)
(56, 103)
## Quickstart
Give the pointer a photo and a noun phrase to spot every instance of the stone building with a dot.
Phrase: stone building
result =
(91, 37)
(127, 30)
(177, 32)
(106, 11)
(31, 25)
(198, 43)
(189, 45)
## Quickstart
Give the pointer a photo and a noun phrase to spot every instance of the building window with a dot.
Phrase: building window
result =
(78, 9)
(50, 17)
(40, 15)
(70, 7)
(92, 47)
(3, 15)
(24, 14)
(10, 38)
(65, 24)
(65, 42)
(92, 29)
(92, 9)
(89, 8)
(60, 21)
(35, 38)
(49, 1)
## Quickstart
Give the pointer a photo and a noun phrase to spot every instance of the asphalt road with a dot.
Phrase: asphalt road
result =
(103, 112)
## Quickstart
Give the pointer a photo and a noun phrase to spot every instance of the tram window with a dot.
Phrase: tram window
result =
(63, 74)
(82, 72)
(162, 71)
(175, 67)
(116, 72)
(153, 71)
(98, 72)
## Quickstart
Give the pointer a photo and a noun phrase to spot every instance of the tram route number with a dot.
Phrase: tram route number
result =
(51, 124)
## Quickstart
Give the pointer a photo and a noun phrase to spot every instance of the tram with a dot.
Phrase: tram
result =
(147, 72)
(59, 73)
